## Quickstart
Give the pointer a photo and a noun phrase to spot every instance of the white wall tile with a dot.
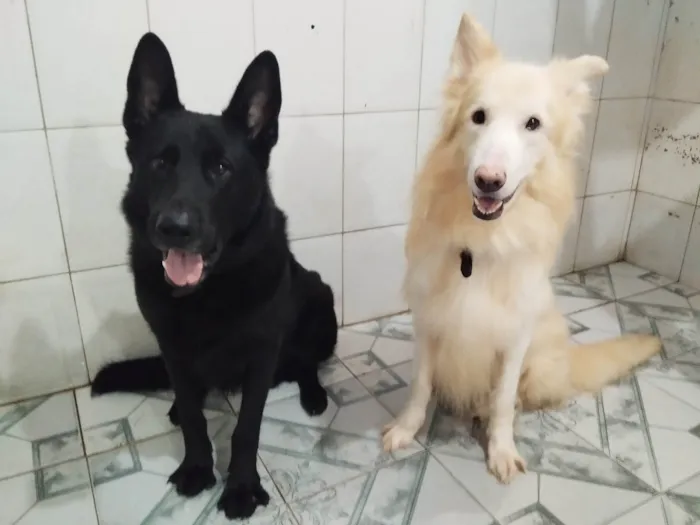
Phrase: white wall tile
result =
(616, 146)
(679, 67)
(583, 28)
(211, 44)
(428, 127)
(380, 155)
(671, 162)
(690, 272)
(112, 326)
(442, 19)
(567, 251)
(658, 234)
(382, 54)
(373, 271)
(31, 241)
(95, 42)
(603, 223)
(19, 104)
(307, 174)
(633, 45)
(40, 347)
(525, 30)
(307, 37)
(91, 172)
(325, 256)
(586, 150)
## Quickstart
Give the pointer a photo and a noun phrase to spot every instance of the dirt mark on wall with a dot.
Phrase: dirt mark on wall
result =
(684, 145)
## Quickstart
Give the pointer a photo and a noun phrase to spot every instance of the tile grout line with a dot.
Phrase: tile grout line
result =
(690, 233)
(420, 88)
(148, 14)
(85, 457)
(651, 454)
(58, 203)
(635, 507)
(342, 176)
(252, 16)
(648, 111)
(430, 452)
(607, 51)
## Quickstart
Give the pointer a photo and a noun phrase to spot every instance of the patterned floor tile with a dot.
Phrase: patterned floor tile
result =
(115, 420)
(38, 433)
(628, 456)
(651, 513)
(499, 500)
(417, 490)
(57, 494)
(576, 502)
(309, 454)
(396, 327)
(138, 473)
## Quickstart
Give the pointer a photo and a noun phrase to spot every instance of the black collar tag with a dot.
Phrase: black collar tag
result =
(466, 266)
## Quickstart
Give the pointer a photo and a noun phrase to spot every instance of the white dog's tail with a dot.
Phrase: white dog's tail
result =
(597, 364)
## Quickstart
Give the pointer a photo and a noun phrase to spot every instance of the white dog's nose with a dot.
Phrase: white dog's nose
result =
(489, 179)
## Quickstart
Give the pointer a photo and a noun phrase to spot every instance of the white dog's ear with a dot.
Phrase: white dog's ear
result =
(576, 74)
(472, 46)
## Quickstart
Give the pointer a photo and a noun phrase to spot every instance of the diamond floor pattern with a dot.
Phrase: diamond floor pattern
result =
(630, 456)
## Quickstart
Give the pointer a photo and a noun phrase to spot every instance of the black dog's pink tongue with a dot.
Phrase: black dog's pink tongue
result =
(183, 268)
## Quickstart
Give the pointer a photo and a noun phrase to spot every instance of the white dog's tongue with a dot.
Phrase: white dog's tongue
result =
(183, 268)
(488, 205)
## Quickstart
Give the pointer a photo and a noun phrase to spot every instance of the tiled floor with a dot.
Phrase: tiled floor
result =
(628, 457)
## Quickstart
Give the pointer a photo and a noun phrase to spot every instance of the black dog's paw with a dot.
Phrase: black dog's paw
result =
(314, 401)
(190, 480)
(173, 416)
(240, 500)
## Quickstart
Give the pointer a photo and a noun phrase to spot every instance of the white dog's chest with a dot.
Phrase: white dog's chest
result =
(496, 303)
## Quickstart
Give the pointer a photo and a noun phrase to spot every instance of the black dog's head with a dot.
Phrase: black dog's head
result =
(197, 180)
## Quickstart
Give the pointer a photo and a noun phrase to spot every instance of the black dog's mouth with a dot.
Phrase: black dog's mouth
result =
(489, 208)
(185, 269)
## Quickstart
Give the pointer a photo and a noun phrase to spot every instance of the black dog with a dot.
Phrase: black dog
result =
(234, 309)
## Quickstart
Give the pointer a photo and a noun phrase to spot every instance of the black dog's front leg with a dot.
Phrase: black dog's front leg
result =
(243, 491)
(196, 472)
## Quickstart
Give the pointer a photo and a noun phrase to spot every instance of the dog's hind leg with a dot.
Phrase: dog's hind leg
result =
(401, 432)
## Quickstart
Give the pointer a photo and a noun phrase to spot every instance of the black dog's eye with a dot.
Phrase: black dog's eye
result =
(479, 117)
(158, 164)
(220, 169)
(532, 124)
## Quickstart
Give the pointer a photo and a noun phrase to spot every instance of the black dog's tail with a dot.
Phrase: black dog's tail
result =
(145, 374)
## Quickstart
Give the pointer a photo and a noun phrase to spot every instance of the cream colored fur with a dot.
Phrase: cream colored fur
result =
(495, 340)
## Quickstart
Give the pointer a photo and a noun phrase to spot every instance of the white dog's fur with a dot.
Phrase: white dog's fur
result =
(495, 340)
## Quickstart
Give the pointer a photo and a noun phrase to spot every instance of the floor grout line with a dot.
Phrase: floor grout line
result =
(288, 503)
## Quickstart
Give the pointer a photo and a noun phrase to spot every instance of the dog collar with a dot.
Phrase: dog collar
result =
(466, 265)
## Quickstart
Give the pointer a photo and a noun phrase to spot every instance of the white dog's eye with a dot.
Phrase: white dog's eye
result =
(532, 124)
(479, 117)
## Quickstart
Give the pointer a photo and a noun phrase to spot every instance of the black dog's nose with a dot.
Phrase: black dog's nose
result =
(174, 225)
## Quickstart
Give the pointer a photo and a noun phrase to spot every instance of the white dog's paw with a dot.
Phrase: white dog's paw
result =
(504, 461)
(396, 435)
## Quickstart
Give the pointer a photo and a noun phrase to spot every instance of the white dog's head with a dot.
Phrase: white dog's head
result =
(511, 114)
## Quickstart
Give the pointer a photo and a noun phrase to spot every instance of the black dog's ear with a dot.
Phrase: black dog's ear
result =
(258, 98)
(151, 85)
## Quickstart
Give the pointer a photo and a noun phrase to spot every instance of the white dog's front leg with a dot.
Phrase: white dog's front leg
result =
(504, 461)
(401, 432)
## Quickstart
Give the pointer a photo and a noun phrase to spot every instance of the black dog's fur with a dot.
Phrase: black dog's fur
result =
(255, 317)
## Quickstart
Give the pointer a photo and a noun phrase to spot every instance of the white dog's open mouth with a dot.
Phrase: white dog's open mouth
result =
(489, 208)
